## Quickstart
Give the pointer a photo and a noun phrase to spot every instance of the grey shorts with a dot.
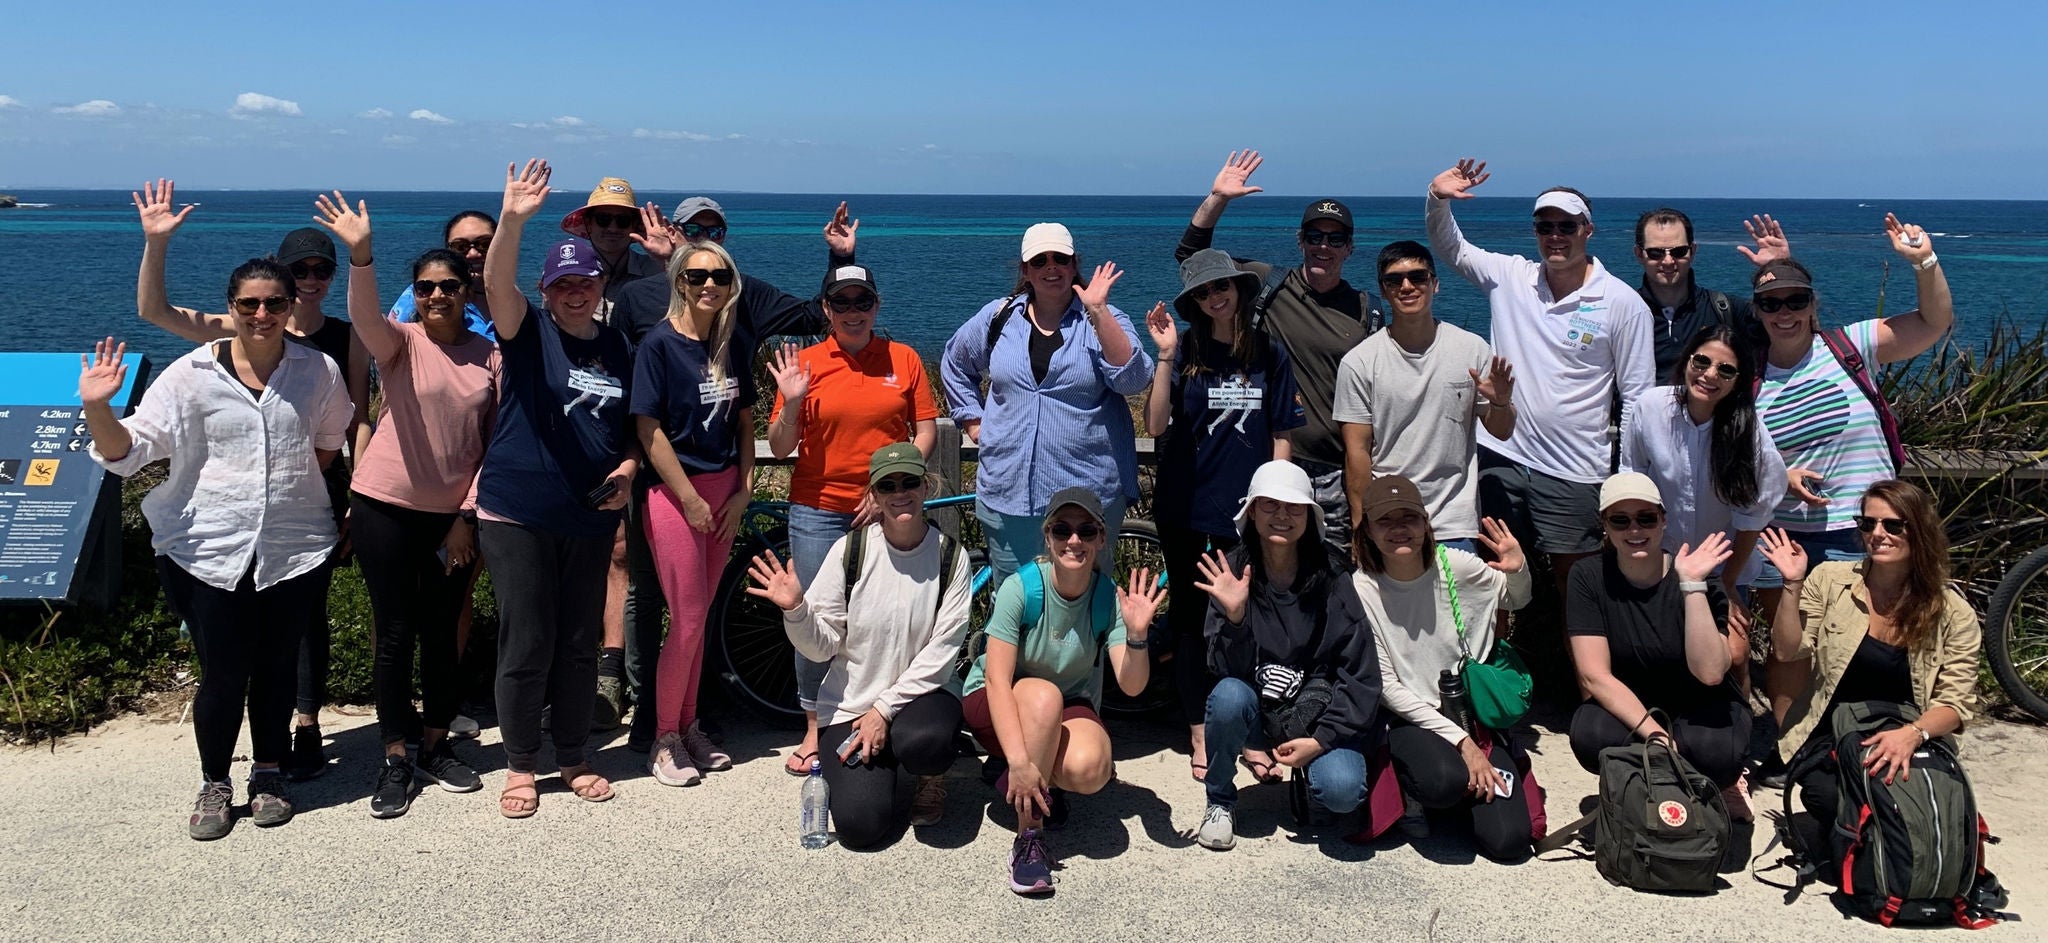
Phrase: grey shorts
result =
(1551, 514)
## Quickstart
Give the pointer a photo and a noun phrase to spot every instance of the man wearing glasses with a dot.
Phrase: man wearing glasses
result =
(1315, 314)
(1665, 247)
(610, 220)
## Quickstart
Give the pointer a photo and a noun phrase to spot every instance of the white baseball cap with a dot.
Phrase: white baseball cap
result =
(1047, 237)
(1564, 200)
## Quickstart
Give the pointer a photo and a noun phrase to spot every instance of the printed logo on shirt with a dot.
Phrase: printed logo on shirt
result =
(1236, 396)
(1581, 331)
(718, 394)
(592, 382)
(890, 381)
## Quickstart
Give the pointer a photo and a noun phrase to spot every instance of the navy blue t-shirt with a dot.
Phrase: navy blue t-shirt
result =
(562, 427)
(672, 383)
(1224, 419)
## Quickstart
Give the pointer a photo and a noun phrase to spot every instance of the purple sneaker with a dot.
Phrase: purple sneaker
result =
(1030, 864)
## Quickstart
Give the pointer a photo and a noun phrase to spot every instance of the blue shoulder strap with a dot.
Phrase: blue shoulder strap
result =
(1032, 581)
(1101, 602)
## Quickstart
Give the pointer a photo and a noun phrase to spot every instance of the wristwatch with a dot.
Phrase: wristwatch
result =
(1924, 737)
(1927, 263)
(1692, 586)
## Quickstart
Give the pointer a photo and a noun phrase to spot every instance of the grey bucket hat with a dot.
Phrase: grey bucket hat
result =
(1207, 266)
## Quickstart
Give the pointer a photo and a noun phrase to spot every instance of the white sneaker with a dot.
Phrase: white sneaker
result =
(1219, 829)
(670, 762)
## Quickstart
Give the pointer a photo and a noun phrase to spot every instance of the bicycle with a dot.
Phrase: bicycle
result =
(750, 655)
(2016, 633)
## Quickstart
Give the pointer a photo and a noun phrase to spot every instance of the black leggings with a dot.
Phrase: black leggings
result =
(245, 639)
(550, 591)
(414, 601)
(1432, 772)
(1712, 736)
(314, 646)
(1186, 610)
(870, 801)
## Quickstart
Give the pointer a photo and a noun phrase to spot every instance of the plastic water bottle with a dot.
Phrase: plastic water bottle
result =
(817, 809)
(1455, 706)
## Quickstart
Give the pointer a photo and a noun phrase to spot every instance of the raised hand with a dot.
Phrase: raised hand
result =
(654, 236)
(1230, 181)
(792, 376)
(1141, 600)
(101, 373)
(1803, 484)
(1097, 291)
(1498, 385)
(526, 189)
(842, 233)
(1771, 244)
(1231, 590)
(1165, 334)
(1457, 182)
(1784, 553)
(1500, 541)
(153, 204)
(775, 580)
(1695, 564)
(351, 226)
(1909, 241)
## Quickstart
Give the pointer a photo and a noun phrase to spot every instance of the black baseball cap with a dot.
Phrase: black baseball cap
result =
(844, 275)
(1074, 497)
(1331, 210)
(306, 243)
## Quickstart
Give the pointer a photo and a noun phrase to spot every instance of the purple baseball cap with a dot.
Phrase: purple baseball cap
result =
(571, 257)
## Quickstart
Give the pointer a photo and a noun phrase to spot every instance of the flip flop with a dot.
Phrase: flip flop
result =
(805, 758)
(587, 784)
(527, 804)
(1198, 769)
(1263, 772)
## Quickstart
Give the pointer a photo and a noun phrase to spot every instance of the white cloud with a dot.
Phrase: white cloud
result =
(645, 134)
(97, 108)
(421, 114)
(931, 147)
(9, 101)
(376, 114)
(251, 104)
(569, 121)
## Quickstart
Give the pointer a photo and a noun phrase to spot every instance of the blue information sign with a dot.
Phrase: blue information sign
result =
(57, 506)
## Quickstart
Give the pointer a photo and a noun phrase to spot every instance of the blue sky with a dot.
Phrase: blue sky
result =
(1839, 100)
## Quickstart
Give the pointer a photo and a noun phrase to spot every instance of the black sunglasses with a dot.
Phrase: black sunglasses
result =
(1202, 293)
(897, 483)
(613, 220)
(1563, 227)
(698, 276)
(1677, 253)
(318, 271)
(278, 304)
(1061, 530)
(1319, 237)
(464, 246)
(713, 232)
(1643, 519)
(448, 286)
(865, 301)
(1796, 302)
(1044, 259)
(1704, 363)
(1417, 277)
(1892, 525)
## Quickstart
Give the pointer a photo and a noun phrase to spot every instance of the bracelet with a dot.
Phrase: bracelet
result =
(1138, 644)
(1931, 261)
(1923, 731)
(1692, 586)
(355, 264)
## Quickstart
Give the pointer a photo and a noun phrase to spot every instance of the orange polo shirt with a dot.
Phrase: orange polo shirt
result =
(857, 403)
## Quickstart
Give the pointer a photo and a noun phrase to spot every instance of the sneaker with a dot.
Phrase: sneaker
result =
(1414, 822)
(1219, 828)
(928, 804)
(212, 813)
(309, 758)
(1736, 798)
(1030, 864)
(441, 765)
(670, 763)
(464, 727)
(268, 804)
(393, 795)
(611, 704)
(1056, 810)
(709, 757)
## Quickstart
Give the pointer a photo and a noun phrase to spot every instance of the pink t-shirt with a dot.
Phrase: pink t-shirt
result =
(440, 402)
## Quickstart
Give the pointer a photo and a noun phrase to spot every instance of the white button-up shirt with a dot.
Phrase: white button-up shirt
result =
(245, 487)
(1664, 443)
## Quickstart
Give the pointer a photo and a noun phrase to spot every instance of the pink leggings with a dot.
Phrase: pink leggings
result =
(689, 564)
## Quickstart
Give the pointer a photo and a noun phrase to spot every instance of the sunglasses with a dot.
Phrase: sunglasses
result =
(613, 220)
(465, 246)
(1044, 259)
(1202, 293)
(712, 232)
(1318, 237)
(1061, 530)
(698, 276)
(1643, 519)
(318, 271)
(1796, 302)
(1563, 227)
(1703, 363)
(898, 483)
(865, 301)
(275, 304)
(425, 287)
(1417, 277)
(1892, 525)
(1677, 253)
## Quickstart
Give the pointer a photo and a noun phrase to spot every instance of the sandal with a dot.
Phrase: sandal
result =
(1262, 770)
(804, 763)
(1198, 769)
(587, 785)
(519, 800)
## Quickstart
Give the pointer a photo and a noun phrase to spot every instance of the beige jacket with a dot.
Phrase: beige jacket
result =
(1834, 607)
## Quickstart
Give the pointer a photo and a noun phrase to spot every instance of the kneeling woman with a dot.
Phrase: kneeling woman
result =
(1288, 637)
(1430, 607)
(1031, 698)
(888, 642)
(1648, 631)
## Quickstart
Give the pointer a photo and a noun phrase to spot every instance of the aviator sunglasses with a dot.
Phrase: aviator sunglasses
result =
(1892, 525)
(1704, 363)
(276, 304)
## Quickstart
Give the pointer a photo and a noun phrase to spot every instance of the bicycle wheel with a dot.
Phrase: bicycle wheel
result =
(749, 651)
(2016, 633)
(1137, 545)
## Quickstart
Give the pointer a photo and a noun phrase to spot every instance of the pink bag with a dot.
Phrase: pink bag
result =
(1384, 801)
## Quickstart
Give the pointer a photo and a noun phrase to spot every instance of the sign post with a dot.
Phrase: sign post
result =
(60, 513)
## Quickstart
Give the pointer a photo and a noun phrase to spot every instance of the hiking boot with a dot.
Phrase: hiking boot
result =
(268, 804)
(1219, 828)
(213, 813)
(1414, 822)
(670, 763)
(707, 755)
(464, 727)
(611, 704)
(309, 758)
(441, 765)
(393, 795)
(1736, 798)
(928, 804)
(1030, 864)
(1056, 810)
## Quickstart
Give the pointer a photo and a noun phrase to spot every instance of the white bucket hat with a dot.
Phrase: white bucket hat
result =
(1285, 482)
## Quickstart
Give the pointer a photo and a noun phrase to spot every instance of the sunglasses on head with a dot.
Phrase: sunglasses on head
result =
(276, 304)
(1044, 259)
(318, 271)
(1677, 253)
(1417, 277)
(465, 246)
(1061, 530)
(897, 483)
(1704, 363)
(698, 276)
(613, 220)
(713, 231)
(1796, 302)
(865, 301)
(1202, 293)
(1892, 525)
(1319, 237)
(1643, 519)
(1562, 227)
(426, 287)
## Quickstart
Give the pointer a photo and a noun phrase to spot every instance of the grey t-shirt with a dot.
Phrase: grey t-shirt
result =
(1422, 411)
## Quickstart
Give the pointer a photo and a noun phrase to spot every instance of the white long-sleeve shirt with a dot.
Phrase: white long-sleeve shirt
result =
(245, 487)
(894, 640)
(1418, 638)
(1569, 353)
(1664, 443)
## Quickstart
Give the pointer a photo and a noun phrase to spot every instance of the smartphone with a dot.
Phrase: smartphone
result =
(1506, 786)
(855, 758)
(602, 493)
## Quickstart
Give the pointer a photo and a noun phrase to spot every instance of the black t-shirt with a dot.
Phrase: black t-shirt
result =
(1043, 346)
(331, 339)
(765, 310)
(1645, 631)
(1876, 672)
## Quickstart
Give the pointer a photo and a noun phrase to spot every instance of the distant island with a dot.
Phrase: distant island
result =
(8, 202)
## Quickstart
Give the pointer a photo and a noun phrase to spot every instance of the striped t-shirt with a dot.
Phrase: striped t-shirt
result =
(1821, 421)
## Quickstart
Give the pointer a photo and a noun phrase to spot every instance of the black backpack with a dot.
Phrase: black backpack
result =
(1660, 825)
(1375, 317)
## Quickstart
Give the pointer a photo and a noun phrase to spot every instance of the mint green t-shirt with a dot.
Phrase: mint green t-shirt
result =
(1059, 649)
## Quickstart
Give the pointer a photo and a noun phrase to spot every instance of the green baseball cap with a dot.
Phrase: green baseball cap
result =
(895, 458)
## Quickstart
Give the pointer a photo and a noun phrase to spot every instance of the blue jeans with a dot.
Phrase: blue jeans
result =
(1842, 543)
(1468, 544)
(1336, 779)
(812, 532)
(1013, 539)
